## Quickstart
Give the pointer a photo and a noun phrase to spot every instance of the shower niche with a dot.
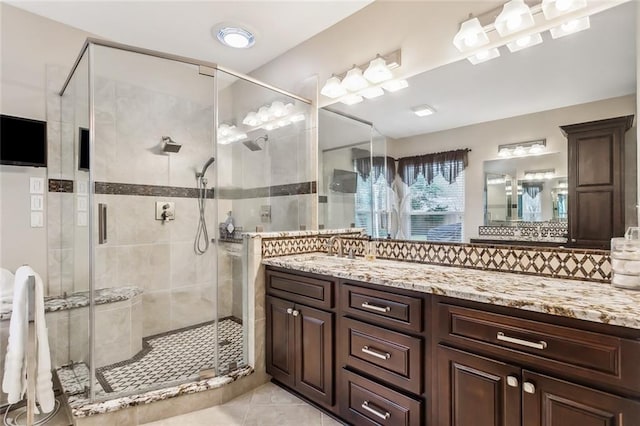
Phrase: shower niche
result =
(148, 174)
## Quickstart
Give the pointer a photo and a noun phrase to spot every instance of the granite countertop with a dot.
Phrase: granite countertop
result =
(597, 302)
(80, 299)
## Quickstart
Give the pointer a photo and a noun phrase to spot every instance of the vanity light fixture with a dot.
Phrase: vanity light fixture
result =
(524, 42)
(555, 8)
(484, 56)
(354, 80)
(333, 88)
(351, 99)
(515, 16)
(353, 85)
(395, 85)
(470, 36)
(519, 21)
(520, 149)
(570, 27)
(371, 92)
(269, 117)
(378, 71)
(228, 133)
(423, 110)
(539, 174)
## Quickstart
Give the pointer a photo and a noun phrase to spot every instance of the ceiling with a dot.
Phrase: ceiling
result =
(595, 64)
(184, 27)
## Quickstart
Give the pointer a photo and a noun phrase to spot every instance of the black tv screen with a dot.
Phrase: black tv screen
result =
(83, 151)
(344, 181)
(23, 142)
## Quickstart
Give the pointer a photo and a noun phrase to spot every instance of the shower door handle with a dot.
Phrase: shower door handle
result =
(102, 223)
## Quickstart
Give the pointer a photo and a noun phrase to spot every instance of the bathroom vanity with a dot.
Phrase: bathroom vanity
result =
(398, 343)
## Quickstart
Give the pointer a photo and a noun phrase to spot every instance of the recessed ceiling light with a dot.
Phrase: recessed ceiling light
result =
(423, 110)
(235, 37)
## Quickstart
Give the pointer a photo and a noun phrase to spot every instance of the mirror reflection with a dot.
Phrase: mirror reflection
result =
(521, 96)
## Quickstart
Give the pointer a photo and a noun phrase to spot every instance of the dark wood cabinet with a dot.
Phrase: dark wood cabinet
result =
(300, 338)
(398, 357)
(552, 402)
(596, 210)
(476, 391)
(314, 353)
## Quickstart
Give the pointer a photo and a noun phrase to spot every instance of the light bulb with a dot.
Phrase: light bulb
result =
(354, 80)
(263, 114)
(519, 151)
(514, 22)
(333, 89)
(277, 109)
(471, 39)
(504, 152)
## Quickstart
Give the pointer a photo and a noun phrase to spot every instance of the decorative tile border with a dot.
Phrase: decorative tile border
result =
(60, 185)
(297, 242)
(527, 230)
(148, 190)
(301, 188)
(584, 265)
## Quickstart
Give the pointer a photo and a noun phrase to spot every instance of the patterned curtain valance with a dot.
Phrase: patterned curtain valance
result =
(381, 165)
(449, 164)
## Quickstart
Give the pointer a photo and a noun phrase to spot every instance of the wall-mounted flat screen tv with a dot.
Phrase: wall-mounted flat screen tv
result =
(344, 181)
(83, 151)
(23, 142)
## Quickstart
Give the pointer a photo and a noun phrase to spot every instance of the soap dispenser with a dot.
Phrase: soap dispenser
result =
(370, 249)
(229, 226)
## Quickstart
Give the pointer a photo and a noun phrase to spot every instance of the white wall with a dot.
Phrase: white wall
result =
(30, 46)
(484, 139)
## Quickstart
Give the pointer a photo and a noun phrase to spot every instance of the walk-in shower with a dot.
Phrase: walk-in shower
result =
(150, 307)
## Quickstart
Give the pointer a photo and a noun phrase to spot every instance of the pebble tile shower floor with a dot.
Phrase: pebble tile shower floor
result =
(170, 357)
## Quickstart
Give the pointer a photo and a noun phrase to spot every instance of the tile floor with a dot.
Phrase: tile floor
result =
(267, 405)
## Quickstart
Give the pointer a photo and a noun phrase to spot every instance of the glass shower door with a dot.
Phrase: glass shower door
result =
(154, 288)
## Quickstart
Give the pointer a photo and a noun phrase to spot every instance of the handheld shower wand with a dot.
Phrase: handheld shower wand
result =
(201, 243)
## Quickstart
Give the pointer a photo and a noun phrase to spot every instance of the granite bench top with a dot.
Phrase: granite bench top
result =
(597, 302)
(80, 299)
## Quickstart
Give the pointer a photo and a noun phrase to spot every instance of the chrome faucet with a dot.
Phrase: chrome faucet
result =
(340, 246)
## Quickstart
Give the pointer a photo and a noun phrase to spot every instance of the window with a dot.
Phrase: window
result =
(437, 209)
(372, 198)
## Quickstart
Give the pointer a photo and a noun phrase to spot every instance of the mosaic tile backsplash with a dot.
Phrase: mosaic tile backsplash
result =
(585, 265)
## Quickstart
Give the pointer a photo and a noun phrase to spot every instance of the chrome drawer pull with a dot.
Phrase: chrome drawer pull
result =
(536, 345)
(369, 351)
(365, 406)
(383, 309)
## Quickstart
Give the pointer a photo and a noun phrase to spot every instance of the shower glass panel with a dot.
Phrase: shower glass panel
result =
(344, 195)
(69, 233)
(265, 183)
(382, 175)
(154, 296)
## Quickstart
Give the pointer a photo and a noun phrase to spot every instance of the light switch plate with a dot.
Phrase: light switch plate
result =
(37, 203)
(36, 185)
(37, 219)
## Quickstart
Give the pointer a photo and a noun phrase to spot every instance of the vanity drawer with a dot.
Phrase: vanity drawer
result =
(564, 350)
(382, 307)
(316, 292)
(388, 355)
(368, 403)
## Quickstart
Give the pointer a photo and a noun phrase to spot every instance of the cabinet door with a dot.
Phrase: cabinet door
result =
(553, 402)
(476, 391)
(314, 354)
(280, 340)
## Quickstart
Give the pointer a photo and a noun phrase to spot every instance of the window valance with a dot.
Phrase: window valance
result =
(449, 164)
(367, 165)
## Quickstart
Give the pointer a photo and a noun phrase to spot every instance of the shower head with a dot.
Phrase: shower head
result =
(205, 167)
(168, 145)
(253, 144)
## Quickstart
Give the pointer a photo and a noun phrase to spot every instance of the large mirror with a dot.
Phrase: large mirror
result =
(521, 96)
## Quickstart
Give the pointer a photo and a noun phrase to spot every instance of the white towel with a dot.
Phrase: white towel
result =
(7, 281)
(15, 382)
